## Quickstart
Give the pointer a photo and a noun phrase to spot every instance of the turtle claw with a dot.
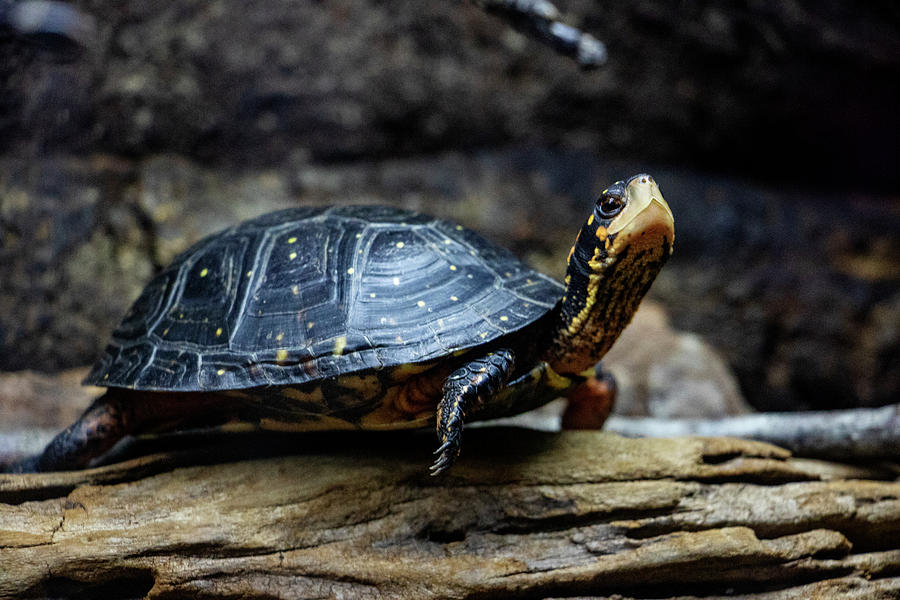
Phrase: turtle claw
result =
(449, 452)
(443, 447)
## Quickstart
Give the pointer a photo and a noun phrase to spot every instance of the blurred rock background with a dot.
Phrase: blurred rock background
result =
(772, 127)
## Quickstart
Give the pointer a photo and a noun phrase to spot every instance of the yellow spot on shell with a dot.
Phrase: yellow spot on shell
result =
(291, 240)
(339, 345)
(292, 255)
(400, 244)
(309, 325)
(350, 271)
(396, 281)
(358, 235)
(454, 298)
(250, 273)
(459, 227)
(420, 303)
(372, 295)
(504, 318)
(204, 272)
(452, 267)
(281, 354)
(220, 372)
(218, 332)
(399, 339)
(591, 219)
(106, 376)
(296, 290)
(166, 331)
(280, 336)
(180, 315)
(483, 334)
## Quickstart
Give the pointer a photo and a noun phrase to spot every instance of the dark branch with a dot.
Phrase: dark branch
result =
(541, 20)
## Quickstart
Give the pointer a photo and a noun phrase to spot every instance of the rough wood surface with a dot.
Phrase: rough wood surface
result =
(524, 514)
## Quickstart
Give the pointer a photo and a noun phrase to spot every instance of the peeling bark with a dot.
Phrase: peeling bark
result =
(524, 514)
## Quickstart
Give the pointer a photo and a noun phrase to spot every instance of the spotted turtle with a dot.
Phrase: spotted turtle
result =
(372, 318)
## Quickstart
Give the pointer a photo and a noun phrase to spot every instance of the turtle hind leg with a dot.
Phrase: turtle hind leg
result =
(471, 384)
(102, 425)
(591, 402)
(119, 413)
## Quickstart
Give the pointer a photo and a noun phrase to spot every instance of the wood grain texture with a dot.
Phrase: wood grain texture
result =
(524, 514)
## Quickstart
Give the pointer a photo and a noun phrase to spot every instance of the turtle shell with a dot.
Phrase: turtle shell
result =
(309, 293)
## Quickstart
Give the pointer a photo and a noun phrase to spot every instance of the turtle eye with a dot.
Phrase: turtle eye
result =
(610, 204)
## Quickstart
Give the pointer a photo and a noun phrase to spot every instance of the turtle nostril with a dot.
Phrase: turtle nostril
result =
(642, 177)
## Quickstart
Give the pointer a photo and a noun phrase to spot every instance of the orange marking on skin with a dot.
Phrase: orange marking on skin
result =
(421, 393)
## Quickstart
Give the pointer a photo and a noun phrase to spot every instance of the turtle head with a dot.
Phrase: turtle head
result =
(620, 249)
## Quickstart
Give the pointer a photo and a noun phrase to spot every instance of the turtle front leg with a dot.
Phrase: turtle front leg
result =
(471, 384)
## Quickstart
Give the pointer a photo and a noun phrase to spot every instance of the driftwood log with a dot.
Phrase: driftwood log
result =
(525, 514)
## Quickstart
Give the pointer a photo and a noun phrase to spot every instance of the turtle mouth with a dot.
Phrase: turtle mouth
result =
(647, 220)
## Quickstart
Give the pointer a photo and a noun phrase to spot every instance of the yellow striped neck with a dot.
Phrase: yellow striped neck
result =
(611, 266)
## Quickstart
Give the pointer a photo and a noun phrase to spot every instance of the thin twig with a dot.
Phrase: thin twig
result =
(854, 434)
(541, 20)
(49, 24)
(17, 445)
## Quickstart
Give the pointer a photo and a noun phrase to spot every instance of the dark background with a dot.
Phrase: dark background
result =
(773, 128)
